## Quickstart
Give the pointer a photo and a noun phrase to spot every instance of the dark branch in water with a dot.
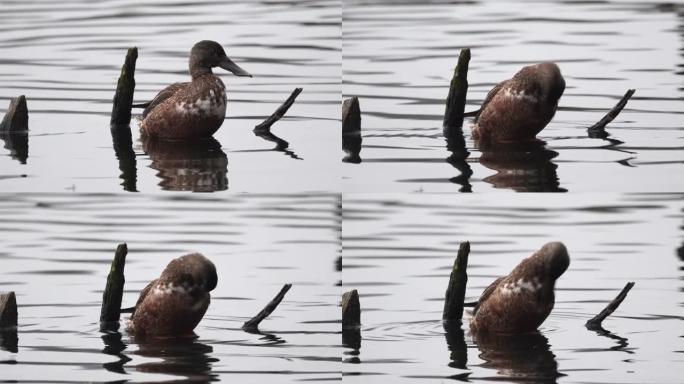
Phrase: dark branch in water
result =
(113, 293)
(252, 325)
(351, 309)
(123, 98)
(595, 322)
(471, 113)
(455, 102)
(455, 293)
(596, 130)
(279, 113)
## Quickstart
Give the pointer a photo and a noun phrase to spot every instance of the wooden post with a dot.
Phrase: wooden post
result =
(113, 293)
(351, 309)
(16, 118)
(455, 293)
(455, 102)
(123, 98)
(595, 322)
(252, 325)
(8, 310)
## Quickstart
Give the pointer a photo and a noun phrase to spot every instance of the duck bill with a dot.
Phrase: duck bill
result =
(229, 65)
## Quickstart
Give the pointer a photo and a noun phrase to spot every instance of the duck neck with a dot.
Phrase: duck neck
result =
(198, 70)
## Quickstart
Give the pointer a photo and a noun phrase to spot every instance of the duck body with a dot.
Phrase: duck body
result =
(187, 110)
(195, 109)
(521, 301)
(519, 108)
(174, 303)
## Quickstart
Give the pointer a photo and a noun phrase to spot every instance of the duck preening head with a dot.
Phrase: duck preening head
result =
(208, 54)
(193, 269)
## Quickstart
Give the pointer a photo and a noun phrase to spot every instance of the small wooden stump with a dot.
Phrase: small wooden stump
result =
(455, 293)
(456, 100)
(8, 310)
(16, 118)
(113, 293)
(123, 98)
(351, 309)
(351, 130)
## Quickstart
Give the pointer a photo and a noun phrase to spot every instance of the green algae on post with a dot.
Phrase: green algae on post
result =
(113, 293)
(455, 293)
(456, 100)
(252, 325)
(123, 98)
(351, 309)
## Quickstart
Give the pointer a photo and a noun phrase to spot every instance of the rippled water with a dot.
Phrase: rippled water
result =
(399, 58)
(66, 59)
(56, 251)
(398, 251)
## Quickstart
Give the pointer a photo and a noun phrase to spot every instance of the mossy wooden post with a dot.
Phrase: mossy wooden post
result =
(123, 98)
(16, 118)
(113, 293)
(8, 310)
(455, 293)
(351, 309)
(455, 102)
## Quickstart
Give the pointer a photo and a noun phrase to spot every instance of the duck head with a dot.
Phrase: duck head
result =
(556, 259)
(208, 54)
(551, 81)
(193, 270)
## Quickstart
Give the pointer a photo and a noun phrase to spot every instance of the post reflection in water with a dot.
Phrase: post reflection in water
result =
(198, 166)
(17, 144)
(523, 167)
(113, 345)
(523, 358)
(351, 338)
(9, 340)
(455, 338)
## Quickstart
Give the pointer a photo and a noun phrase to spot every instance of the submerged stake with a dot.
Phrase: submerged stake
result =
(113, 293)
(8, 310)
(16, 118)
(455, 293)
(123, 98)
(351, 309)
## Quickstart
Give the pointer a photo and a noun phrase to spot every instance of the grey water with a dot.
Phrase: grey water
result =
(399, 58)
(56, 250)
(398, 251)
(66, 58)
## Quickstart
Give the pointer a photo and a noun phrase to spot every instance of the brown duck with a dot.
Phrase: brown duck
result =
(521, 301)
(195, 109)
(174, 304)
(519, 108)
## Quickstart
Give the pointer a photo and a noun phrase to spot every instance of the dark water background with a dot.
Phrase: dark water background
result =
(66, 56)
(398, 251)
(56, 250)
(399, 58)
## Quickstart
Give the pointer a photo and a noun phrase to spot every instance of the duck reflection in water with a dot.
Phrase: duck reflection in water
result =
(520, 357)
(184, 356)
(523, 167)
(197, 165)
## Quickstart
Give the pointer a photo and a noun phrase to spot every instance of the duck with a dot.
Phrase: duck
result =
(173, 304)
(195, 109)
(517, 109)
(522, 300)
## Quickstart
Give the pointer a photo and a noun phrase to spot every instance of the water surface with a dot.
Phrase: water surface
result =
(56, 253)
(66, 59)
(398, 251)
(399, 59)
